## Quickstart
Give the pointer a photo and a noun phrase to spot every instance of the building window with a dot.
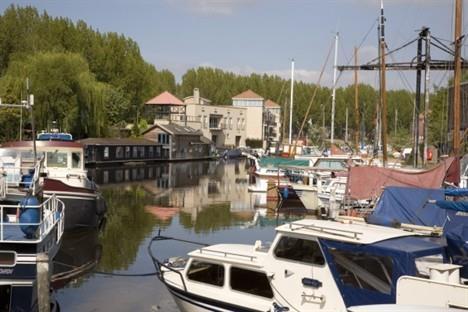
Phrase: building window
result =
(298, 249)
(205, 121)
(230, 123)
(127, 152)
(214, 122)
(364, 271)
(151, 151)
(238, 124)
(243, 124)
(163, 138)
(106, 152)
(251, 282)
(205, 272)
(134, 152)
(141, 151)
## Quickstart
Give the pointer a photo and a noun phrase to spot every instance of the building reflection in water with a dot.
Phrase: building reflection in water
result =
(189, 186)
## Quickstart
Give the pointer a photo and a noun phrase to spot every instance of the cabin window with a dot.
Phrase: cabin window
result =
(251, 282)
(364, 271)
(119, 153)
(106, 152)
(298, 249)
(56, 159)
(76, 160)
(206, 272)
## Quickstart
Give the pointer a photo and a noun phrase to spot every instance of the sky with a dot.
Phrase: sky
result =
(262, 36)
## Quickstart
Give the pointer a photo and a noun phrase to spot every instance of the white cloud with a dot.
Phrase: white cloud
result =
(211, 7)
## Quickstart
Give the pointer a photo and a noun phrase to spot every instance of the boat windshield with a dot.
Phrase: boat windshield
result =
(57, 159)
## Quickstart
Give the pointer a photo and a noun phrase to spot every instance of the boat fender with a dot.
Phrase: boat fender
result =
(285, 193)
(29, 215)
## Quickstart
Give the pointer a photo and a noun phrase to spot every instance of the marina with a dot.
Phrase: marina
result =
(137, 175)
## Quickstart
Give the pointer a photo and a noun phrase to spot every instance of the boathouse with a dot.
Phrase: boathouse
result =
(115, 150)
(179, 142)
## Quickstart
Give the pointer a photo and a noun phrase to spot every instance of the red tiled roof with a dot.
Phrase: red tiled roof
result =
(165, 98)
(249, 94)
(271, 104)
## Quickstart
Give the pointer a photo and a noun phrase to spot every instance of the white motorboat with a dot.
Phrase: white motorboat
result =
(315, 265)
(63, 174)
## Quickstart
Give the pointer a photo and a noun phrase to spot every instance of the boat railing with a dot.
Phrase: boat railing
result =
(226, 253)
(295, 226)
(15, 228)
(15, 177)
(160, 264)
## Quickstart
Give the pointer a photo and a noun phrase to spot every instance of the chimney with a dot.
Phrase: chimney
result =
(196, 96)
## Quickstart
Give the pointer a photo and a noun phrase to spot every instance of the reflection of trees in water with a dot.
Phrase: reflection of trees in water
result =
(127, 226)
(212, 218)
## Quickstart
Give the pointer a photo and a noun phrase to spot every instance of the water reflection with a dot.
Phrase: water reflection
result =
(79, 254)
(204, 200)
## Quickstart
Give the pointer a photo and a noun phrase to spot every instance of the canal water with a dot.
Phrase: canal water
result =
(202, 201)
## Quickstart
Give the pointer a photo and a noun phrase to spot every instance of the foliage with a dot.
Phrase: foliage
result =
(84, 79)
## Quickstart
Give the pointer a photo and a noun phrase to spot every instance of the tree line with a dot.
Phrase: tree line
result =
(91, 82)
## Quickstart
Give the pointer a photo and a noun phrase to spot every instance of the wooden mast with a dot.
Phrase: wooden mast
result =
(356, 100)
(456, 79)
(383, 92)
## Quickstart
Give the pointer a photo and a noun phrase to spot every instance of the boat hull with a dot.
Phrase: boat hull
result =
(83, 207)
(18, 287)
(188, 302)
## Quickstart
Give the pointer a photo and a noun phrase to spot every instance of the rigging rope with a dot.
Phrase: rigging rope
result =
(108, 273)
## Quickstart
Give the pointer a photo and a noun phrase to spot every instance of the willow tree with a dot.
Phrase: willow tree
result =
(64, 89)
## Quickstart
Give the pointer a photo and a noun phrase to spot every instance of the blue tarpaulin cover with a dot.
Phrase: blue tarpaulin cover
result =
(453, 205)
(402, 251)
(456, 192)
(410, 205)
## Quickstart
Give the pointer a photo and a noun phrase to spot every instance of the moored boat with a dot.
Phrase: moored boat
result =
(28, 227)
(315, 265)
(63, 174)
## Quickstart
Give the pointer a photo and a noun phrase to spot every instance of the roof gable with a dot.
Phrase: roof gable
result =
(248, 95)
(165, 98)
(270, 104)
(174, 129)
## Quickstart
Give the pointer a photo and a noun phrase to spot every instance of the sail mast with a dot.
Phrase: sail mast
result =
(291, 101)
(332, 130)
(356, 100)
(383, 92)
(456, 79)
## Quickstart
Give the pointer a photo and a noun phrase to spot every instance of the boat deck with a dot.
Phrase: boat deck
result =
(12, 233)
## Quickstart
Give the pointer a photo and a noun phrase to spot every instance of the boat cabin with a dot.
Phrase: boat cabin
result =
(59, 159)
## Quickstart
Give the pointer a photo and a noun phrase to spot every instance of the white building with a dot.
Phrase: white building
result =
(272, 122)
(253, 103)
(225, 125)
